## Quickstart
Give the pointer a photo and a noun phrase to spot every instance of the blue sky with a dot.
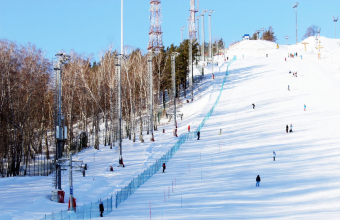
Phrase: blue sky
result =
(90, 26)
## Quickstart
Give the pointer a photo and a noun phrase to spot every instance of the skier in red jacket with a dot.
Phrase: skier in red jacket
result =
(188, 128)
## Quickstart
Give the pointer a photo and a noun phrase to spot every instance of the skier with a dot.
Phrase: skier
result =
(258, 179)
(290, 72)
(301, 57)
(296, 53)
(304, 107)
(288, 88)
(253, 106)
(101, 209)
(198, 135)
(285, 59)
(295, 74)
(220, 131)
(188, 128)
(164, 167)
(274, 155)
(291, 128)
(287, 129)
(227, 58)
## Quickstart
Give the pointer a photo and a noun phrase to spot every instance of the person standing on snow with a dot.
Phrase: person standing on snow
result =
(164, 167)
(304, 107)
(258, 180)
(274, 155)
(288, 88)
(285, 59)
(101, 209)
(188, 128)
(291, 128)
(253, 106)
(287, 129)
(198, 135)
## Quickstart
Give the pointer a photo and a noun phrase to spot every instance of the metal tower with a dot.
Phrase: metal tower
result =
(155, 33)
(192, 27)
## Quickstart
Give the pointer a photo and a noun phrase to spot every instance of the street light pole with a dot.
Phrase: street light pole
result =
(286, 37)
(210, 49)
(335, 20)
(203, 42)
(295, 6)
(198, 31)
(173, 73)
(182, 33)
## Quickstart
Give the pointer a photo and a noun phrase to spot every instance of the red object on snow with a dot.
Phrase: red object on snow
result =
(61, 195)
(74, 204)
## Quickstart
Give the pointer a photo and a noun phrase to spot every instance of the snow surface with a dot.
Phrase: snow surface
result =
(214, 178)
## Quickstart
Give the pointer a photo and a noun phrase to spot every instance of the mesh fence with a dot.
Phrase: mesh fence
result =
(91, 210)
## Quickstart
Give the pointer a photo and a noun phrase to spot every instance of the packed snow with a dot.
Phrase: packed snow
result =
(214, 177)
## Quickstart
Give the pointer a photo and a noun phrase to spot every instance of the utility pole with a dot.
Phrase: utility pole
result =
(263, 30)
(258, 34)
(335, 20)
(295, 6)
(203, 42)
(150, 56)
(210, 49)
(198, 32)
(61, 130)
(286, 37)
(182, 33)
(191, 70)
(173, 73)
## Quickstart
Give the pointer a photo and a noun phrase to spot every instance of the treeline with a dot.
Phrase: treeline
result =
(89, 97)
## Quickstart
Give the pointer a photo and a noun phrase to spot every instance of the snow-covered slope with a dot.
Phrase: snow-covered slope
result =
(214, 178)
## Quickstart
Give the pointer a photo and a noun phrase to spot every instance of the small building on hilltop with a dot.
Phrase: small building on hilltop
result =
(246, 37)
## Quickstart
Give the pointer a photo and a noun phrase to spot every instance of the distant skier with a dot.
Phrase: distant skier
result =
(291, 128)
(290, 72)
(198, 135)
(285, 59)
(304, 107)
(164, 167)
(220, 131)
(188, 128)
(274, 155)
(296, 53)
(301, 57)
(227, 58)
(253, 106)
(258, 180)
(101, 209)
(295, 74)
(288, 88)
(287, 129)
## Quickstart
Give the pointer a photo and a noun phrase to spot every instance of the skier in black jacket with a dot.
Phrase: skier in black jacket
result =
(101, 209)
(258, 179)
(287, 129)
(164, 167)
(198, 135)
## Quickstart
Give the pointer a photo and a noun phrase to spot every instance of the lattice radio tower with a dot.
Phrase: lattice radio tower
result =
(155, 33)
(192, 28)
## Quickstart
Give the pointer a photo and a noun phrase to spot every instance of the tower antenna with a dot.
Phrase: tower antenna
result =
(155, 33)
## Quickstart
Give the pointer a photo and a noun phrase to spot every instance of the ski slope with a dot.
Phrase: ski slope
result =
(214, 178)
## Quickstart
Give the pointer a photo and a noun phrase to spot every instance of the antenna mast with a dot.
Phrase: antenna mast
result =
(155, 33)
(192, 27)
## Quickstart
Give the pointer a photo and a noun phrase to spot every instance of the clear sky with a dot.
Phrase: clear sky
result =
(90, 26)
